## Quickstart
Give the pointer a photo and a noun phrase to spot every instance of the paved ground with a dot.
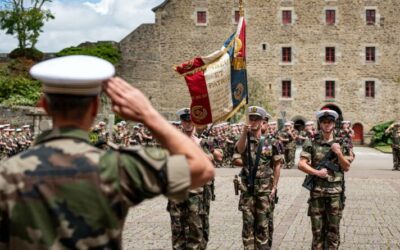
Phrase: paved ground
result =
(371, 217)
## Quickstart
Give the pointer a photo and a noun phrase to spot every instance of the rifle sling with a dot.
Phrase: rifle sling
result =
(253, 168)
(258, 155)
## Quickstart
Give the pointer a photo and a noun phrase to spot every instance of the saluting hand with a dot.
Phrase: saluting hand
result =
(127, 101)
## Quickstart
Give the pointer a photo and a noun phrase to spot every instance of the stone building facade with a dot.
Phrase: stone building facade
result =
(305, 55)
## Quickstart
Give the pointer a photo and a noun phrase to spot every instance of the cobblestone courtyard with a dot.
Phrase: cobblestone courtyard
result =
(371, 218)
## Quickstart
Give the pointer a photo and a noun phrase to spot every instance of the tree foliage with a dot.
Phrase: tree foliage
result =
(104, 50)
(380, 138)
(17, 88)
(256, 98)
(24, 20)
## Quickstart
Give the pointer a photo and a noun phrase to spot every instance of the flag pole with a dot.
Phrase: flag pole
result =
(241, 8)
(241, 14)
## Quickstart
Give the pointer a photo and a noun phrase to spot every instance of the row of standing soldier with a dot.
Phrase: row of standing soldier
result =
(13, 141)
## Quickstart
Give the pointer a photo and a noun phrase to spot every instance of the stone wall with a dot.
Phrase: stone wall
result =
(17, 116)
(175, 38)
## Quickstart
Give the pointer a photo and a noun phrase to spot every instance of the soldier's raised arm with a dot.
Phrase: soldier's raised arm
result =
(130, 103)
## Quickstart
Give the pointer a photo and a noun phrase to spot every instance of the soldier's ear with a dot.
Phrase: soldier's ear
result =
(43, 103)
(94, 107)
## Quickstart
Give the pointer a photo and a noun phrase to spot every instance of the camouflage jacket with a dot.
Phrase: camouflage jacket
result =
(63, 193)
(314, 150)
(285, 135)
(265, 170)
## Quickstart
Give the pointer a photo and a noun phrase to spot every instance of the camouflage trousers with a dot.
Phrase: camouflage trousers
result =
(396, 158)
(256, 212)
(271, 224)
(290, 154)
(187, 222)
(325, 214)
(205, 216)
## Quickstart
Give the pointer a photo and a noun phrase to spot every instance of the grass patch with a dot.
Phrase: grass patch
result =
(384, 149)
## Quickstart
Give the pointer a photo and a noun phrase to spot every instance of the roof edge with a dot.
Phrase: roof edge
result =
(160, 6)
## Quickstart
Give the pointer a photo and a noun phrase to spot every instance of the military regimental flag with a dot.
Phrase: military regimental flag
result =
(218, 82)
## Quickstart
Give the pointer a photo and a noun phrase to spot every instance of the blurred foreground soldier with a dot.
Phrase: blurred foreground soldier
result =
(63, 193)
(325, 159)
(259, 179)
(189, 218)
(394, 130)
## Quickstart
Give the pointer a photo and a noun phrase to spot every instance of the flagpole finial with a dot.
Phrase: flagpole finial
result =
(241, 8)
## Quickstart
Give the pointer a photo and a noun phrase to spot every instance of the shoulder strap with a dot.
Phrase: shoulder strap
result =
(157, 166)
(259, 149)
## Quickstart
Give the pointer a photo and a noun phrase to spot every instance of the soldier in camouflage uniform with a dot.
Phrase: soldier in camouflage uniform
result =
(63, 193)
(327, 196)
(189, 218)
(2, 144)
(264, 164)
(307, 133)
(346, 132)
(118, 135)
(288, 137)
(394, 129)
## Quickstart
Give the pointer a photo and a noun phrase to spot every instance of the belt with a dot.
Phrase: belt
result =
(258, 181)
(327, 184)
(195, 194)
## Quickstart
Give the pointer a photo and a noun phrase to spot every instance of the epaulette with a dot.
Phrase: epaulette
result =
(154, 157)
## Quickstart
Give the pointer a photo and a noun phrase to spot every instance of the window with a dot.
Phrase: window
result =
(370, 54)
(287, 17)
(370, 89)
(264, 46)
(370, 17)
(286, 54)
(202, 17)
(237, 16)
(330, 17)
(286, 89)
(330, 89)
(330, 54)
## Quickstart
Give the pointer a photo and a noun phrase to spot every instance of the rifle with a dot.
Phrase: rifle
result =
(327, 163)
(253, 167)
(236, 185)
(212, 188)
(250, 179)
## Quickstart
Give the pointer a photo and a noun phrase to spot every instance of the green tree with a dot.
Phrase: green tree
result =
(24, 20)
(257, 97)
(380, 138)
(105, 50)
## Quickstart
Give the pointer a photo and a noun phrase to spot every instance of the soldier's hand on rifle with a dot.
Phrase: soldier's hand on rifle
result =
(323, 173)
(272, 195)
(336, 148)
